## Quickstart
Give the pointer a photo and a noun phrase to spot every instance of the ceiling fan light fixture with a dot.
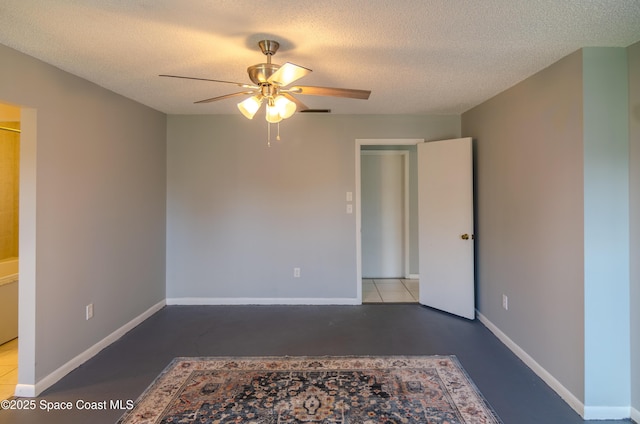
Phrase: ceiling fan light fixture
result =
(286, 108)
(273, 114)
(250, 106)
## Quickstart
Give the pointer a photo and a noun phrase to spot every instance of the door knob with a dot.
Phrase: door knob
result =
(466, 237)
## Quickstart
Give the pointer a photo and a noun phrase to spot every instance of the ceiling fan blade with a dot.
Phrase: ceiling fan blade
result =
(239, 84)
(226, 96)
(299, 105)
(330, 91)
(287, 74)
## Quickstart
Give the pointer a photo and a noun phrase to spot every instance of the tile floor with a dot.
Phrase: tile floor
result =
(8, 368)
(393, 290)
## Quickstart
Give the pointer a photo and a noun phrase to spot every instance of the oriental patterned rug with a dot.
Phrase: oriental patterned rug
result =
(315, 390)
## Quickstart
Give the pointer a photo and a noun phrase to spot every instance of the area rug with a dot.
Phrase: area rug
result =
(316, 390)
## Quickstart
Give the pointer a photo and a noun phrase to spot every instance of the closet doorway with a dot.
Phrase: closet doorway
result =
(385, 196)
(384, 213)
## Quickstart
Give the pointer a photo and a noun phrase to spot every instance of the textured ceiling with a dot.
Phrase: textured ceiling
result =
(417, 56)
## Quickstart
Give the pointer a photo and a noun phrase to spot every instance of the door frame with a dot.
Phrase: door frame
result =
(27, 255)
(359, 142)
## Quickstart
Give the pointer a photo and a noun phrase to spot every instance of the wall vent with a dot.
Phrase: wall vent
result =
(315, 111)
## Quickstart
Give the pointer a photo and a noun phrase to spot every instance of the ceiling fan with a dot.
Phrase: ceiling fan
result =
(269, 86)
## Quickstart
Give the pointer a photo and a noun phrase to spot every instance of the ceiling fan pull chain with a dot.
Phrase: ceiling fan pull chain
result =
(268, 134)
(278, 136)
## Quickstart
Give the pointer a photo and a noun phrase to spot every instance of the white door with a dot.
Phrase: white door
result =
(445, 209)
(382, 194)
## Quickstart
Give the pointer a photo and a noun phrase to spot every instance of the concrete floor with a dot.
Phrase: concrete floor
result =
(127, 367)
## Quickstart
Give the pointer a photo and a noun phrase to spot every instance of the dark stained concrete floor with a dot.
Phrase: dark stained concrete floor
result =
(128, 366)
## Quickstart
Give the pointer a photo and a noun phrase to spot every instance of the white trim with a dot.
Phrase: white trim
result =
(261, 301)
(413, 277)
(586, 412)
(30, 390)
(388, 141)
(358, 143)
(564, 393)
(25, 390)
(606, 412)
(27, 247)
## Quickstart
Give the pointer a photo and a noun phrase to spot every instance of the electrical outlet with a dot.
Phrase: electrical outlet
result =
(89, 311)
(505, 302)
(296, 272)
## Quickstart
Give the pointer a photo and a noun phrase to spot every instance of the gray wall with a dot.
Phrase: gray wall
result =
(529, 191)
(242, 215)
(634, 200)
(553, 187)
(96, 163)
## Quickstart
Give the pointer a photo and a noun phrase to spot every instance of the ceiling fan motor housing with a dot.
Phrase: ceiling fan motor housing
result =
(269, 47)
(261, 72)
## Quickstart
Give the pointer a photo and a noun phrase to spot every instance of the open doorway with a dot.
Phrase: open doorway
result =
(26, 248)
(9, 256)
(445, 222)
(386, 220)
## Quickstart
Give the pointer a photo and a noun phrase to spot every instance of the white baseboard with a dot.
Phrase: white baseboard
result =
(31, 390)
(260, 301)
(564, 393)
(586, 412)
(25, 390)
(413, 277)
